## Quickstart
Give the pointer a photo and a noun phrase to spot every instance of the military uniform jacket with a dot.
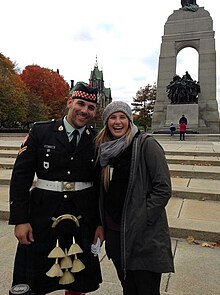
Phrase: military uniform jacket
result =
(47, 154)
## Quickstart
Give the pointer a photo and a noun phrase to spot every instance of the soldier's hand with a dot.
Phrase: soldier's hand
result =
(24, 233)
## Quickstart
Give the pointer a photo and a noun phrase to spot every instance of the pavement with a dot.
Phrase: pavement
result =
(193, 216)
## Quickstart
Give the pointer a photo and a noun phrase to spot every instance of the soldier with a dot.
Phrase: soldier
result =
(61, 209)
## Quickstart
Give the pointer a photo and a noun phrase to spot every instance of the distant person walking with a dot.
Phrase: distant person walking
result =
(172, 129)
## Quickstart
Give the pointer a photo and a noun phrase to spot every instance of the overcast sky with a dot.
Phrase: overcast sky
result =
(68, 35)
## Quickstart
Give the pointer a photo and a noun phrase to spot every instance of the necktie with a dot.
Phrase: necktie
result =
(73, 141)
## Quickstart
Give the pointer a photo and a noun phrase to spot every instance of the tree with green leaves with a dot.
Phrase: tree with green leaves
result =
(37, 110)
(143, 104)
(13, 94)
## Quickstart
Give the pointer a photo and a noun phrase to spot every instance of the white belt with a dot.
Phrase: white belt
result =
(62, 186)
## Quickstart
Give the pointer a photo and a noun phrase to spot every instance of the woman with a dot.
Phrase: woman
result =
(182, 127)
(135, 188)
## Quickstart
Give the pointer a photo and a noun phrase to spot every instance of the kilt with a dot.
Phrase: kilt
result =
(32, 262)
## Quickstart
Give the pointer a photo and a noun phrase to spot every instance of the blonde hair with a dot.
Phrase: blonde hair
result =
(105, 136)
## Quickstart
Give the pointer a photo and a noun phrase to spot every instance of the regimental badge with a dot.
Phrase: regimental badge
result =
(60, 128)
(46, 165)
(87, 132)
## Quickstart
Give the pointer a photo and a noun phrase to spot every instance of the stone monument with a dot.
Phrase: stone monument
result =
(190, 26)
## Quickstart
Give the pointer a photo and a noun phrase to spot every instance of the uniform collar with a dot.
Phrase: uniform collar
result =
(69, 128)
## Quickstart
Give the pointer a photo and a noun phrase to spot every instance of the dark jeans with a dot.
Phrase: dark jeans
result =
(182, 135)
(137, 282)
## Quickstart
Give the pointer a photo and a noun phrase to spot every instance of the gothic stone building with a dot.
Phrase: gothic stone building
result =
(96, 80)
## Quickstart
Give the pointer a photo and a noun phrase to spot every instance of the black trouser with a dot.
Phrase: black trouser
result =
(137, 282)
(182, 135)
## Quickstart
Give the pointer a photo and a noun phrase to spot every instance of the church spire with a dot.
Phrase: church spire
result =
(96, 61)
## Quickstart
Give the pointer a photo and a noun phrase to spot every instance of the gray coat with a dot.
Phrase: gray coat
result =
(145, 239)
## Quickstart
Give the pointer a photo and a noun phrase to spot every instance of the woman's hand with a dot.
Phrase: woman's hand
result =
(99, 233)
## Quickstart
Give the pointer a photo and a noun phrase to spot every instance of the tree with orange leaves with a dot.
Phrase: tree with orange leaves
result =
(49, 86)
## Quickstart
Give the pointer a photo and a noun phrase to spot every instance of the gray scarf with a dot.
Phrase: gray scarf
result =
(111, 149)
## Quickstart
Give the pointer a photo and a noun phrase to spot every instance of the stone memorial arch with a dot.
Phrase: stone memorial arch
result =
(188, 29)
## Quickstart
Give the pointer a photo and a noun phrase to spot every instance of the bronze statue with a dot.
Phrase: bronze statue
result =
(188, 2)
(189, 5)
(183, 90)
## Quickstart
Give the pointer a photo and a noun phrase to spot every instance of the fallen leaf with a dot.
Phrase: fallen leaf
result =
(209, 245)
(191, 240)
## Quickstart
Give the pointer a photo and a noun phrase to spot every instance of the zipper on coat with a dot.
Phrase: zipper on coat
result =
(133, 168)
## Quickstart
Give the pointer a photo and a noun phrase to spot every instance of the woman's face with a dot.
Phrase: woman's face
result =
(118, 124)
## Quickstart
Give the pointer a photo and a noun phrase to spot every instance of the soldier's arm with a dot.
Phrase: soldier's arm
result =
(22, 179)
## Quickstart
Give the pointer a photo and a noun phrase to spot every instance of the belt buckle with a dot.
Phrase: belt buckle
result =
(68, 186)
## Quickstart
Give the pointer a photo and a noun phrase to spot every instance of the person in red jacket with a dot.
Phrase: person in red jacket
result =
(182, 127)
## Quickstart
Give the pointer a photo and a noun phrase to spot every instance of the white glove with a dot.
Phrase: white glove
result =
(96, 248)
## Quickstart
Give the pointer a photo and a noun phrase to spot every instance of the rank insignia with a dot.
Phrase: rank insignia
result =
(23, 149)
(60, 128)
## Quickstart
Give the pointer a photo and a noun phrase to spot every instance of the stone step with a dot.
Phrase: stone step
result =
(189, 173)
(195, 175)
(193, 153)
(7, 160)
(171, 148)
(8, 153)
(201, 219)
(189, 137)
(194, 171)
(5, 176)
(175, 151)
(197, 158)
(7, 163)
(196, 194)
(9, 147)
(193, 160)
(19, 137)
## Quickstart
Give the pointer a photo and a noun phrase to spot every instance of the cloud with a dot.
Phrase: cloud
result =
(83, 36)
(126, 36)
